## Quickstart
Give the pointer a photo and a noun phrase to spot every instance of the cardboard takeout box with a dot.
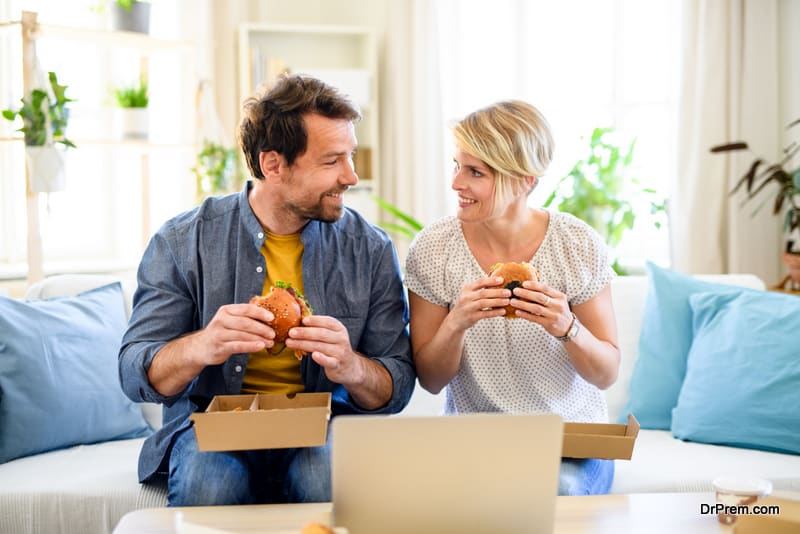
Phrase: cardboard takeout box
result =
(263, 421)
(600, 440)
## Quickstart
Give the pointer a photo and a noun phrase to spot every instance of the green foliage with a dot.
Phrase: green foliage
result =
(36, 111)
(600, 190)
(100, 7)
(133, 96)
(217, 169)
(761, 173)
(406, 225)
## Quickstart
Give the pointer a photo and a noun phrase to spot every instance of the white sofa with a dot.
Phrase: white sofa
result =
(88, 488)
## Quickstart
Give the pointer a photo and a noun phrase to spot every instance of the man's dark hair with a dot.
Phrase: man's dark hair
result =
(274, 120)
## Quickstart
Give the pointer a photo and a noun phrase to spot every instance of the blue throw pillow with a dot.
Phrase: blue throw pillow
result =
(59, 384)
(664, 343)
(742, 384)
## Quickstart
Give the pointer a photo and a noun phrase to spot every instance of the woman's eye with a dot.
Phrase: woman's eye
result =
(476, 173)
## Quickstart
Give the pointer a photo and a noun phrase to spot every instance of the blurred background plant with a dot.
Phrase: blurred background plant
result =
(403, 224)
(42, 107)
(601, 190)
(217, 169)
(135, 95)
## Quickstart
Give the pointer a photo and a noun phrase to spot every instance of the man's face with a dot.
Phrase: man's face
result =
(319, 177)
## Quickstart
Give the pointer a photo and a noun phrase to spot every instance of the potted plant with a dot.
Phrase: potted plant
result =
(132, 101)
(217, 169)
(600, 190)
(786, 176)
(44, 121)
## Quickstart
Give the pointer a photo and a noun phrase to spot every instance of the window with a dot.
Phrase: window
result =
(584, 64)
(117, 192)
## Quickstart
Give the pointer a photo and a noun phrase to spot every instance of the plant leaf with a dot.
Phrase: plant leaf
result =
(749, 176)
(728, 147)
(397, 212)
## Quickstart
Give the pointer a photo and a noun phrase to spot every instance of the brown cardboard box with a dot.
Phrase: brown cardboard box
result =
(250, 422)
(785, 519)
(600, 440)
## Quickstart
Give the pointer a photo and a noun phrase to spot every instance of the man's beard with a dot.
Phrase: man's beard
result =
(318, 211)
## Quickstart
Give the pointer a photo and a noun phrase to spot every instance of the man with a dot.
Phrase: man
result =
(193, 335)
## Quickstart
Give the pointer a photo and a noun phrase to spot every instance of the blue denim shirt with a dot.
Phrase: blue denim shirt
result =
(211, 256)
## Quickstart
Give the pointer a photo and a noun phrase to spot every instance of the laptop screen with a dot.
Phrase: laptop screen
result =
(477, 473)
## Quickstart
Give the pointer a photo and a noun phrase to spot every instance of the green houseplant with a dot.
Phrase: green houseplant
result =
(785, 175)
(132, 96)
(404, 224)
(217, 169)
(40, 108)
(601, 191)
(44, 117)
(131, 120)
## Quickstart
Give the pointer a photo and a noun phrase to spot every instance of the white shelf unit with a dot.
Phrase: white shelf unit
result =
(144, 46)
(345, 57)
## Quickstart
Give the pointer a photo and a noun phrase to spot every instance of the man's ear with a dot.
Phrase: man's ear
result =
(271, 164)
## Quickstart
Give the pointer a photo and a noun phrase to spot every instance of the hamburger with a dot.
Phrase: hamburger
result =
(513, 274)
(289, 306)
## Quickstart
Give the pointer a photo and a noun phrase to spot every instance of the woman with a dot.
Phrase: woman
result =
(561, 348)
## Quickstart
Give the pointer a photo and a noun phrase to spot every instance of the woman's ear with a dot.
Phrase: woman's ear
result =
(271, 165)
(532, 182)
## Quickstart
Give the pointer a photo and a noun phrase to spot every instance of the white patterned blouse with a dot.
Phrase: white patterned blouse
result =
(513, 365)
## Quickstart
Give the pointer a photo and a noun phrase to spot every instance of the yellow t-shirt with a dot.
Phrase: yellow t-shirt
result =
(277, 373)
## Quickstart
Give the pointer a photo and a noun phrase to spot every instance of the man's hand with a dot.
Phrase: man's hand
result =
(328, 341)
(235, 328)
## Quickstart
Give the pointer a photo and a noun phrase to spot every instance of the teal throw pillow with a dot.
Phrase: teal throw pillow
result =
(742, 385)
(59, 384)
(664, 342)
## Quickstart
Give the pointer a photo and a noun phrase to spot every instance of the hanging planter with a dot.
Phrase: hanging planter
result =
(130, 16)
(44, 118)
(217, 168)
(45, 168)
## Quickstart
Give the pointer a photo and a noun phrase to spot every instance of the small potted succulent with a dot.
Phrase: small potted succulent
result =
(784, 174)
(44, 117)
(132, 117)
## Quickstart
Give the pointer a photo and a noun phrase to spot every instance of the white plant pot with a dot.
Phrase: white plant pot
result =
(137, 19)
(45, 168)
(131, 123)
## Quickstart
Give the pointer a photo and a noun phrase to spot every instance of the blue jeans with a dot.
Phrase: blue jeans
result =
(199, 478)
(585, 476)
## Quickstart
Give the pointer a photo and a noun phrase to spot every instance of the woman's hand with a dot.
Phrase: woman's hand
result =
(543, 305)
(482, 299)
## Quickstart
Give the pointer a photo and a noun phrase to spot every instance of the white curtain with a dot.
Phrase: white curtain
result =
(729, 92)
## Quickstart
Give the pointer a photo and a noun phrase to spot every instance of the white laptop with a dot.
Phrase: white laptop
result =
(465, 474)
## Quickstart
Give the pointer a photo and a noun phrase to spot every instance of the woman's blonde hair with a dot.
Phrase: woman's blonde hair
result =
(513, 138)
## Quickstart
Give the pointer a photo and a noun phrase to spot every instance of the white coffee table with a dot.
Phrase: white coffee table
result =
(647, 512)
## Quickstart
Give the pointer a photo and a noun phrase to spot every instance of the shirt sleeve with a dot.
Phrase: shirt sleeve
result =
(162, 311)
(595, 271)
(425, 272)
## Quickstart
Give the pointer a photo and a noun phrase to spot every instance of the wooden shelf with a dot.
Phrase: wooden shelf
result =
(142, 43)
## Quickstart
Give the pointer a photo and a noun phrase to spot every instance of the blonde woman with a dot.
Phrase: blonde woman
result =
(561, 348)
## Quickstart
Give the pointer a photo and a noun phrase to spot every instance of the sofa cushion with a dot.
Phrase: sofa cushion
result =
(59, 382)
(664, 342)
(742, 384)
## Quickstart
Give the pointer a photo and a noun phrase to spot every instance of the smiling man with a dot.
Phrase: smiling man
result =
(193, 333)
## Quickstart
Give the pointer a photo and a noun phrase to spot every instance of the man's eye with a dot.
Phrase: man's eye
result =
(332, 162)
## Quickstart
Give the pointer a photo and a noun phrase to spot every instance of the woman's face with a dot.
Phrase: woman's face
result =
(474, 182)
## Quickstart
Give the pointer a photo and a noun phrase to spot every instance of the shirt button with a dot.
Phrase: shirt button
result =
(238, 368)
(261, 235)
(259, 269)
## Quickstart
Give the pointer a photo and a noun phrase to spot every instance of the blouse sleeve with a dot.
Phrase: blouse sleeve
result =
(425, 269)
